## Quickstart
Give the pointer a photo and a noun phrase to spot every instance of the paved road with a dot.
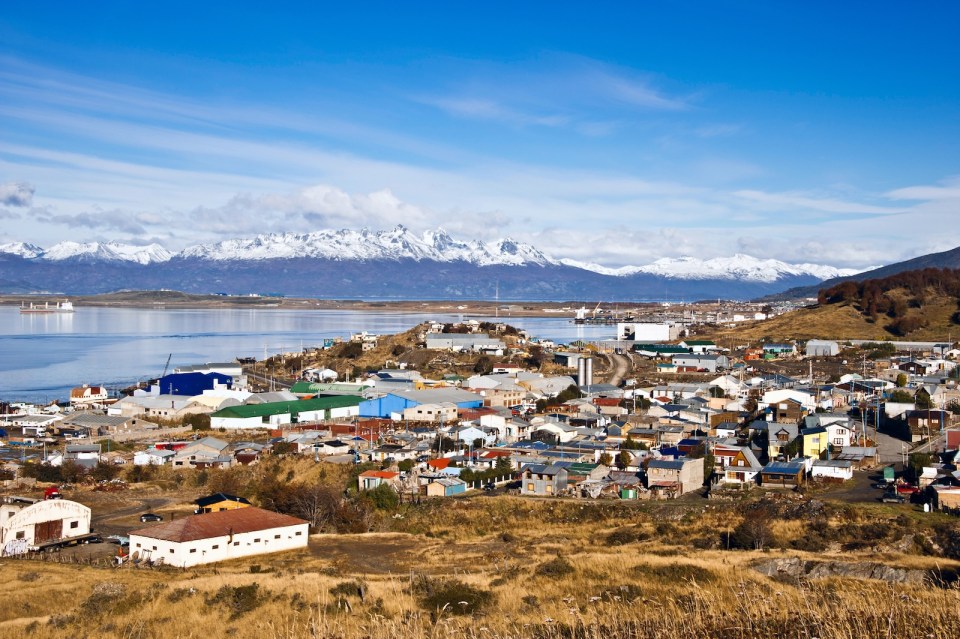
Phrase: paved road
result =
(859, 489)
(890, 449)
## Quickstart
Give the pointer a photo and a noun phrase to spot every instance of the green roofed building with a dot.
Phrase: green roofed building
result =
(579, 471)
(303, 388)
(274, 414)
(660, 350)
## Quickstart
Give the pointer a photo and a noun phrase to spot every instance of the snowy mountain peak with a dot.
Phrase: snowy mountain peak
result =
(399, 243)
(28, 251)
(738, 267)
(108, 251)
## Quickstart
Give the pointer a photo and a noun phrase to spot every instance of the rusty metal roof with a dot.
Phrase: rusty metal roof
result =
(218, 524)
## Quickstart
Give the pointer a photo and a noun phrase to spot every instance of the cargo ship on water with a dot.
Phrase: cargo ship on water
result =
(65, 306)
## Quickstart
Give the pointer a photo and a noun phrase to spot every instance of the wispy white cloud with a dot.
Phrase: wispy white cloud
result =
(637, 92)
(119, 162)
(117, 220)
(717, 130)
(797, 200)
(316, 207)
(948, 189)
(16, 194)
(487, 109)
(560, 91)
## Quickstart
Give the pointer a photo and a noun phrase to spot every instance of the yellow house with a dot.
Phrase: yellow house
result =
(220, 501)
(815, 441)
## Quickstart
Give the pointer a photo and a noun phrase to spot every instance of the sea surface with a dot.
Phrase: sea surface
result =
(43, 356)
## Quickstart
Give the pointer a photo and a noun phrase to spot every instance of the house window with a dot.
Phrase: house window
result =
(236, 543)
(20, 534)
(276, 536)
(257, 540)
(172, 550)
(299, 532)
(838, 441)
(74, 524)
(154, 547)
(549, 488)
(215, 547)
(530, 488)
(193, 550)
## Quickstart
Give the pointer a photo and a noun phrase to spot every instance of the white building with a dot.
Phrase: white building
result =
(88, 396)
(822, 348)
(440, 413)
(219, 536)
(832, 468)
(30, 522)
(153, 457)
(647, 331)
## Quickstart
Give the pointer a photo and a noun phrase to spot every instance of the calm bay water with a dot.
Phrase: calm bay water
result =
(43, 356)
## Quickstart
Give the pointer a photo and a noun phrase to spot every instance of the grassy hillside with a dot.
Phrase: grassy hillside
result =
(485, 567)
(915, 305)
(845, 320)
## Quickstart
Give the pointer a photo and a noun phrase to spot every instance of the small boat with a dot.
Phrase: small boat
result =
(65, 306)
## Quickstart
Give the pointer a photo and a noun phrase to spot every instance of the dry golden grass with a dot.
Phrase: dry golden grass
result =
(548, 565)
(646, 590)
(840, 321)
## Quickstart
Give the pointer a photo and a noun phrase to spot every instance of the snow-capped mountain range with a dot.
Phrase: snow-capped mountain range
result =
(402, 244)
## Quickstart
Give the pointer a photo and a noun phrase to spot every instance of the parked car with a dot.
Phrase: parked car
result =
(150, 517)
(893, 498)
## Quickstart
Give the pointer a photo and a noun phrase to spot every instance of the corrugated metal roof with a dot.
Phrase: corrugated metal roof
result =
(218, 524)
(666, 464)
(787, 468)
(382, 474)
(216, 498)
(293, 407)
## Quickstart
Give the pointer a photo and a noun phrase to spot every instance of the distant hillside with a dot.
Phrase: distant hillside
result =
(916, 305)
(945, 260)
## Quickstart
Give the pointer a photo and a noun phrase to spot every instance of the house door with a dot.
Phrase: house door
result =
(47, 531)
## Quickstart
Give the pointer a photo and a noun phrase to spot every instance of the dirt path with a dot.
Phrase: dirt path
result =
(374, 553)
(621, 366)
(104, 521)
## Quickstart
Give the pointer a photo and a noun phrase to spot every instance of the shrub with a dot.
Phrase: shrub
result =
(180, 594)
(706, 542)
(349, 589)
(555, 568)
(238, 599)
(753, 533)
(623, 536)
(451, 596)
(103, 598)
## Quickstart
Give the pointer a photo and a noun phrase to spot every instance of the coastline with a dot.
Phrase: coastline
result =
(177, 300)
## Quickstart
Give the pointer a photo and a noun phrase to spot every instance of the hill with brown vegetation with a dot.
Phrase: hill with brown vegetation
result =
(507, 567)
(916, 305)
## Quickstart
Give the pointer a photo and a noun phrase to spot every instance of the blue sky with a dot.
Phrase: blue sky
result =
(615, 133)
